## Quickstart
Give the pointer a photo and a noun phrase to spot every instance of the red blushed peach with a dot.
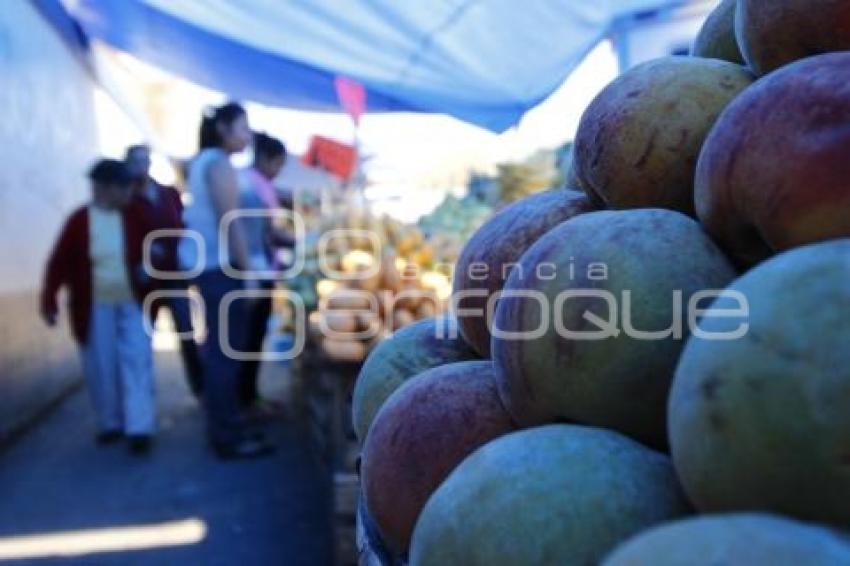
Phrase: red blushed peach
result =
(773, 33)
(420, 435)
(408, 352)
(487, 258)
(775, 171)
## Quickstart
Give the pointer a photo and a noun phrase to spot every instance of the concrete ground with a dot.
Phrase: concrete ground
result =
(56, 481)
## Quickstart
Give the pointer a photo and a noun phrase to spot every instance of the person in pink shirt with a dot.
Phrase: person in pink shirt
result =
(263, 240)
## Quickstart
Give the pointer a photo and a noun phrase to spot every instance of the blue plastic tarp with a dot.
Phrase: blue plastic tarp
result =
(483, 61)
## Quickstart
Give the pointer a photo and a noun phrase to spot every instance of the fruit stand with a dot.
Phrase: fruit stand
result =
(656, 366)
(677, 388)
(607, 322)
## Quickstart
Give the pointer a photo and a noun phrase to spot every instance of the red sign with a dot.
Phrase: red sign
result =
(334, 157)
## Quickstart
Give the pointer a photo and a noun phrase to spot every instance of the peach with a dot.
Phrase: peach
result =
(638, 141)
(420, 435)
(775, 171)
(486, 260)
(716, 38)
(773, 33)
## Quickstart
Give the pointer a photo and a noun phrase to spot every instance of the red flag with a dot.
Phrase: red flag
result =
(352, 97)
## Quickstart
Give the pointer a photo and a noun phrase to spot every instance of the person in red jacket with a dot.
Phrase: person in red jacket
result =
(164, 210)
(98, 258)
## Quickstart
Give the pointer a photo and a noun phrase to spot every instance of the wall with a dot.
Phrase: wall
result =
(48, 137)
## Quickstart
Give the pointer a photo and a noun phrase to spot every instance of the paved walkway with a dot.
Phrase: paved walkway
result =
(55, 481)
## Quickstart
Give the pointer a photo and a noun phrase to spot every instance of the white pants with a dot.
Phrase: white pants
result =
(118, 364)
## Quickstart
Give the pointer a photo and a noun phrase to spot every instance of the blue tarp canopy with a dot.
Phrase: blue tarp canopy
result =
(483, 61)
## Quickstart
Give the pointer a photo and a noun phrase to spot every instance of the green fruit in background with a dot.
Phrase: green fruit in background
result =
(610, 265)
(762, 422)
(426, 344)
(734, 540)
(560, 494)
(716, 38)
(496, 246)
(638, 141)
(420, 435)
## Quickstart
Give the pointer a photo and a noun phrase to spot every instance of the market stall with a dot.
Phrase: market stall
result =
(629, 350)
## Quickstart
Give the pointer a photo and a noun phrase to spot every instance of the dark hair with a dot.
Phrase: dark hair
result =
(213, 116)
(268, 146)
(110, 172)
(136, 147)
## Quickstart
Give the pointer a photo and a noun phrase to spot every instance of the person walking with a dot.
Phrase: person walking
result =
(98, 257)
(263, 239)
(214, 191)
(164, 210)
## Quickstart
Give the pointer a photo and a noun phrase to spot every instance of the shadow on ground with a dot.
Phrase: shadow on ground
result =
(270, 511)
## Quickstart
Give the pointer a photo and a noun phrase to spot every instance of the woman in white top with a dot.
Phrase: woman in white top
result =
(214, 191)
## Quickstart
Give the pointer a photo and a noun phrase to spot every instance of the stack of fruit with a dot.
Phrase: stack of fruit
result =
(352, 248)
(369, 298)
(687, 315)
(402, 272)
